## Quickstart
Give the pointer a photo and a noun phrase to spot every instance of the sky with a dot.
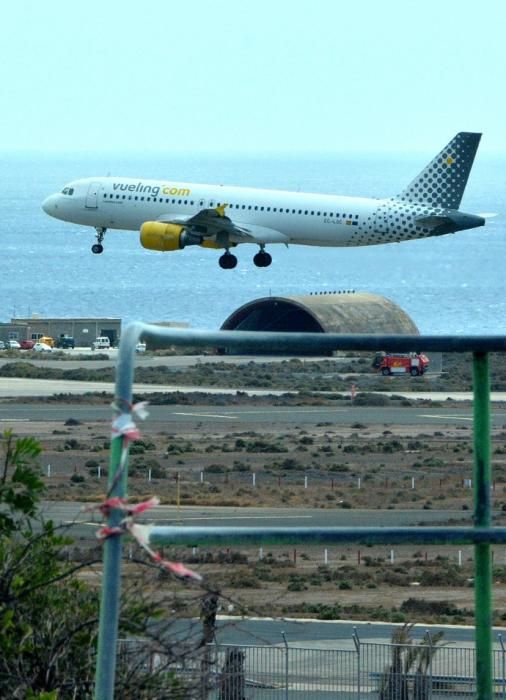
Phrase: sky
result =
(264, 76)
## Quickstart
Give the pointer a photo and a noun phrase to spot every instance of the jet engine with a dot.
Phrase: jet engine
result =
(156, 235)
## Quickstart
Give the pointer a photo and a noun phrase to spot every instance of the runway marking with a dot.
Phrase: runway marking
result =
(14, 420)
(216, 517)
(202, 415)
(435, 415)
(265, 411)
(249, 517)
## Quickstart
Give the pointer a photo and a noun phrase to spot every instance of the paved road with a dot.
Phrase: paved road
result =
(85, 523)
(331, 634)
(10, 413)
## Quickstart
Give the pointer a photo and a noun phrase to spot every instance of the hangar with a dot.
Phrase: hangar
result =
(323, 312)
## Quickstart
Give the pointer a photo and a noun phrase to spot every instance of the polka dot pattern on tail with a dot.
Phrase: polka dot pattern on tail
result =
(442, 182)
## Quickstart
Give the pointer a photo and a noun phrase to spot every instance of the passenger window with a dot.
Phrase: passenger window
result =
(136, 197)
(268, 208)
(148, 199)
(256, 208)
(249, 207)
(261, 208)
(274, 209)
(71, 191)
(306, 212)
(312, 213)
(117, 196)
(142, 199)
(244, 206)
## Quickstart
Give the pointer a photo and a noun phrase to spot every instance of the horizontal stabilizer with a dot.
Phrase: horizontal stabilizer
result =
(451, 222)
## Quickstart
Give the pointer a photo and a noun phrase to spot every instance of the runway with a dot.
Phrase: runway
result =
(258, 416)
(84, 523)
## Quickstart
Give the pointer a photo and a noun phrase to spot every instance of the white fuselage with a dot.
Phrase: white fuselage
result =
(252, 215)
(303, 218)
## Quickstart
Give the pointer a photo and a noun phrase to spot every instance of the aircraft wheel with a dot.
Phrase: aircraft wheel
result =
(227, 261)
(262, 259)
(97, 248)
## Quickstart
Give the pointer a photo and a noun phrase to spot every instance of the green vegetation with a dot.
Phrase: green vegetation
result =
(49, 614)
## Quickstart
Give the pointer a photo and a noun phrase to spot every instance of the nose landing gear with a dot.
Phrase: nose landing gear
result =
(97, 247)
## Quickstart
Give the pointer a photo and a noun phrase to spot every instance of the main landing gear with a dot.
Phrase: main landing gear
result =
(262, 259)
(227, 261)
(98, 248)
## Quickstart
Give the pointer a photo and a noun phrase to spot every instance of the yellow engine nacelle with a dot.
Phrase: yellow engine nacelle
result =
(158, 236)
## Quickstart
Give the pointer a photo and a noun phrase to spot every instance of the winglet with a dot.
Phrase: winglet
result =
(220, 209)
(442, 182)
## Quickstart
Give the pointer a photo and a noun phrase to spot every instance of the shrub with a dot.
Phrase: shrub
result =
(72, 444)
(215, 469)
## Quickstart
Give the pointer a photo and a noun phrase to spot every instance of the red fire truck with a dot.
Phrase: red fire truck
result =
(411, 363)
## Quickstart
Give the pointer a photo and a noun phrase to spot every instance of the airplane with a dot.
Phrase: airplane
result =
(172, 215)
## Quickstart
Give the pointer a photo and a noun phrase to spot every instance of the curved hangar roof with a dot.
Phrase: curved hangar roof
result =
(327, 312)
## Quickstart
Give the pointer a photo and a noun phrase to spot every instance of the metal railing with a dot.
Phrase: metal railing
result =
(426, 670)
(482, 535)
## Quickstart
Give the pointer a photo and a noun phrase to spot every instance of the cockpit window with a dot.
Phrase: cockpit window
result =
(68, 190)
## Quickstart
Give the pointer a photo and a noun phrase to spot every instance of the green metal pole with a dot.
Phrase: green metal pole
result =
(111, 587)
(482, 518)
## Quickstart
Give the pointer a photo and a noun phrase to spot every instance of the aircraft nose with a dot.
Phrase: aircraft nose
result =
(50, 204)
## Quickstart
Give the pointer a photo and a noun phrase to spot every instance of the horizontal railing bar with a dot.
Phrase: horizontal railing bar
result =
(193, 535)
(323, 341)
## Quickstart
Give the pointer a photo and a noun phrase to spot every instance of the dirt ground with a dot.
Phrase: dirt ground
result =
(357, 467)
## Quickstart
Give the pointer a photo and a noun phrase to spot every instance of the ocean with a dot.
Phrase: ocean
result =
(450, 284)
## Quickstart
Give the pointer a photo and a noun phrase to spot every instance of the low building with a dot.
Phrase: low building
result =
(83, 330)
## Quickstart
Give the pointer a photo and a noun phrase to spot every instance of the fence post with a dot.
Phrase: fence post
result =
(482, 518)
(286, 664)
(356, 641)
(429, 639)
(503, 665)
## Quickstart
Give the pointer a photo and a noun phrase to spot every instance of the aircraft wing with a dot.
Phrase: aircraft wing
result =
(210, 223)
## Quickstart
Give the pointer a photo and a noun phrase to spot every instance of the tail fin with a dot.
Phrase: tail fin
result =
(443, 181)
